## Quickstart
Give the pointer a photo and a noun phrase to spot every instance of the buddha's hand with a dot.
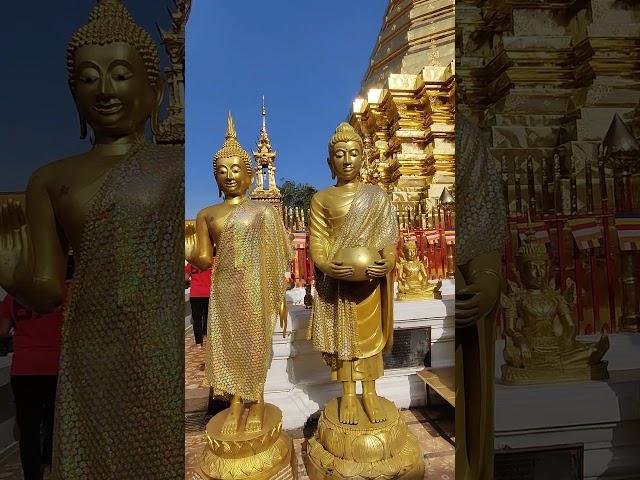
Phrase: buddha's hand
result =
(525, 352)
(476, 300)
(189, 242)
(380, 268)
(15, 247)
(338, 270)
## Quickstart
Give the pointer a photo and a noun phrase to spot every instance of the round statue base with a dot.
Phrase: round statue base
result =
(386, 450)
(264, 455)
(536, 376)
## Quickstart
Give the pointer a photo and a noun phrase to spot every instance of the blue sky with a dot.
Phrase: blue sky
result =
(307, 58)
(40, 122)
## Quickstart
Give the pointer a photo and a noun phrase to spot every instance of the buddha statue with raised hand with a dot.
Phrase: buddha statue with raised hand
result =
(353, 234)
(117, 206)
(541, 345)
(253, 254)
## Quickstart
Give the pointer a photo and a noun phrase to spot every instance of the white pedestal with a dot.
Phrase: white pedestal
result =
(299, 382)
(604, 415)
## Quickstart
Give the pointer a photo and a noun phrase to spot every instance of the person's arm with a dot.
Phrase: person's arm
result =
(6, 319)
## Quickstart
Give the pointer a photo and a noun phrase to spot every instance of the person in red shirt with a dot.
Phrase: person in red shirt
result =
(199, 299)
(34, 375)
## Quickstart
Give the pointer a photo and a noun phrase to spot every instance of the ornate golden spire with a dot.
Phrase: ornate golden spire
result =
(264, 142)
(111, 22)
(231, 147)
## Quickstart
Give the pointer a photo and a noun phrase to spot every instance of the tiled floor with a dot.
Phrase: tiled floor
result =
(434, 428)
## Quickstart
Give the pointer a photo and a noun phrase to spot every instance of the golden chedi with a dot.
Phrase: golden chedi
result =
(253, 253)
(541, 336)
(115, 206)
(353, 236)
(413, 280)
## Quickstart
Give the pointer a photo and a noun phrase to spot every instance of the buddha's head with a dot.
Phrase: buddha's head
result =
(410, 250)
(345, 153)
(232, 166)
(114, 73)
(533, 264)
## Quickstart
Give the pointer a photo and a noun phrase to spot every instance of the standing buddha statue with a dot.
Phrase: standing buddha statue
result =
(535, 352)
(117, 206)
(353, 239)
(253, 253)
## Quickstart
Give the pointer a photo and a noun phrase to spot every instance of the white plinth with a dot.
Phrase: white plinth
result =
(299, 382)
(604, 415)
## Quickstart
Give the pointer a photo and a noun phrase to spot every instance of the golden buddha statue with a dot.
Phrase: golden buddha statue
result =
(413, 280)
(253, 253)
(541, 344)
(481, 226)
(118, 408)
(353, 235)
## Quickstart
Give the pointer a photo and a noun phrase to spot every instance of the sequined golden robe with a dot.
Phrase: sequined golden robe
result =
(352, 322)
(119, 409)
(480, 229)
(248, 285)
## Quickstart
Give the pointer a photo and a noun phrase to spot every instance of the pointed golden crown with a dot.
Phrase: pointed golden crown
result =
(110, 22)
(232, 148)
(531, 250)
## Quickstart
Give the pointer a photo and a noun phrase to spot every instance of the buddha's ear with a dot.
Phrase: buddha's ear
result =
(155, 114)
(333, 173)
(159, 91)
(81, 119)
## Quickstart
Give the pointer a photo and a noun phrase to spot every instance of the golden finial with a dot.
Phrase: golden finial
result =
(231, 147)
(231, 128)
(110, 22)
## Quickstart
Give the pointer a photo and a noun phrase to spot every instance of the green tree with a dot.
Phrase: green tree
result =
(296, 194)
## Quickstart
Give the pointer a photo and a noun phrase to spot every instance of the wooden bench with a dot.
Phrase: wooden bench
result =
(442, 381)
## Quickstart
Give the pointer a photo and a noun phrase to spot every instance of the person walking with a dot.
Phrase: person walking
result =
(34, 376)
(199, 299)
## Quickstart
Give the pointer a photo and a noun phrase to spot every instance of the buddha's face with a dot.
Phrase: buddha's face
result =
(410, 251)
(112, 90)
(534, 273)
(346, 160)
(232, 176)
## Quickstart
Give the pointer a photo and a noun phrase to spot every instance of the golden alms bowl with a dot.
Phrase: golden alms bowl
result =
(360, 258)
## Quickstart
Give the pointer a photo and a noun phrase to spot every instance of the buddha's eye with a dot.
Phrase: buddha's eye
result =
(88, 75)
(121, 73)
(354, 153)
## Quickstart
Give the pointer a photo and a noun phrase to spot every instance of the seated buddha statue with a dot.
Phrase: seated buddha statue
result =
(541, 344)
(413, 281)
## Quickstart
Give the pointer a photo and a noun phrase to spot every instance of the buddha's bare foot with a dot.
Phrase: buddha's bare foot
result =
(373, 407)
(232, 422)
(255, 418)
(349, 409)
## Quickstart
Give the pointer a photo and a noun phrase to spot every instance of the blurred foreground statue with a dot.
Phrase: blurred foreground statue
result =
(353, 238)
(253, 253)
(534, 352)
(481, 224)
(118, 206)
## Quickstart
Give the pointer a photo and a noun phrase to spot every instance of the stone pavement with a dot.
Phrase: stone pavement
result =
(434, 427)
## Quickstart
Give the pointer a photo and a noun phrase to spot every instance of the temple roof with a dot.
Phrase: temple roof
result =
(414, 34)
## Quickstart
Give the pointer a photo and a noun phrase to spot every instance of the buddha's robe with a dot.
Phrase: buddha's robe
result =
(480, 230)
(352, 322)
(119, 408)
(248, 286)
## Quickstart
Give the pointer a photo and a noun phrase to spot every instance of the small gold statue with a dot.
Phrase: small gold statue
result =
(413, 280)
(353, 238)
(253, 253)
(543, 346)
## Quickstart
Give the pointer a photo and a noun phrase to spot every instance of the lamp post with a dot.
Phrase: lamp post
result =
(621, 152)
